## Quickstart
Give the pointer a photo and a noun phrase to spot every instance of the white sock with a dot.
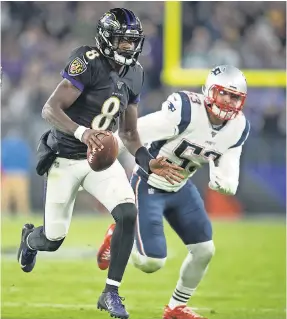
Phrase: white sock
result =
(180, 296)
(191, 272)
(112, 282)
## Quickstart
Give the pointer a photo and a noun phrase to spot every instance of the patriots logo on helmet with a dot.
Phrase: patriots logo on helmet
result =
(216, 71)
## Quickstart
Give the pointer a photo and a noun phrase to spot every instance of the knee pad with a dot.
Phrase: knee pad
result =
(202, 251)
(145, 263)
(125, 213)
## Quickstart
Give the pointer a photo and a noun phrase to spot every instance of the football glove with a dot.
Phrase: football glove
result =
(222, 190)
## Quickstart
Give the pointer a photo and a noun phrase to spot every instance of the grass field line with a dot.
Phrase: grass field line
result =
(93, 306)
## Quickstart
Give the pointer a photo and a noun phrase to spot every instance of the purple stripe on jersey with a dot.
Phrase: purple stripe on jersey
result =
(128, 18)
(75, 82)
(136, 99)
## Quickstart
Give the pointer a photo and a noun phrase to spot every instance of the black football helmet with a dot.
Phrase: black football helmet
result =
(115, 25)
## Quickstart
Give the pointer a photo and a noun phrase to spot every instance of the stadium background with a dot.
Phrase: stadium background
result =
(36, 40)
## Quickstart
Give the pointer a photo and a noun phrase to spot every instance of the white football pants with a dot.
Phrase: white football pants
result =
(111, 187)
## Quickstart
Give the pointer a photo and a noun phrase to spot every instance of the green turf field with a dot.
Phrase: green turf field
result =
(246, 278)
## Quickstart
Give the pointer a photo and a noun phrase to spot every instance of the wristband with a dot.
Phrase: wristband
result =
(80, 132)
(143, 157)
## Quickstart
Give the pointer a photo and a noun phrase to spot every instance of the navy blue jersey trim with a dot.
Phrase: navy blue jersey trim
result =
(243, 136)
(185, 112)
(136, 99)
(155, 147)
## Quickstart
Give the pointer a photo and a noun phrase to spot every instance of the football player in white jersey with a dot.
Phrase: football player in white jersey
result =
(190, 130)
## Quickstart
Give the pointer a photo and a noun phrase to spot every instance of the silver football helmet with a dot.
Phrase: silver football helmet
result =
(225, 91)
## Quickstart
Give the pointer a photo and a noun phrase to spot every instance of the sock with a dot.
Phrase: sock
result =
(112, 285)
(180, 296)
(37, 240)
(122, 240)
(191, 272)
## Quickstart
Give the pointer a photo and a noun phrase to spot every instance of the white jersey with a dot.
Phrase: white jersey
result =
(181, 131)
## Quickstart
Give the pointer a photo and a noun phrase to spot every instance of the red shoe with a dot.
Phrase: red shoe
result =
(104, 253)
(180, 312)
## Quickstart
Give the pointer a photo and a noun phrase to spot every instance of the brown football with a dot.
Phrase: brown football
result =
(101, 160)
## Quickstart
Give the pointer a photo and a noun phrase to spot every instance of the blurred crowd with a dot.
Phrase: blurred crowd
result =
(37, 38)
(246, 34)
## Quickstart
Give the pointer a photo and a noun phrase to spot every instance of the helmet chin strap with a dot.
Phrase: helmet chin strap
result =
(122, 60)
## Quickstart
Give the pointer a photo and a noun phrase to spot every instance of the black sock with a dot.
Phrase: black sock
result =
(122, 240)
(37, 240)
(111, 288)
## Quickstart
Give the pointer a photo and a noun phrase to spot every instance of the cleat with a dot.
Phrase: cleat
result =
(104, 253)
(112, 303)
(180, 312)
(26, 256)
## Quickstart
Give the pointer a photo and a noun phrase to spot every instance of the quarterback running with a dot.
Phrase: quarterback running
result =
(100, 84)
(190, 130)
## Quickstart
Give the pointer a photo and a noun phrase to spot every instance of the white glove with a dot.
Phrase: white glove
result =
(220, 189)
(218, 182)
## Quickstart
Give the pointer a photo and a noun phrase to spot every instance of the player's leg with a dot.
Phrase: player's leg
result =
(111, 187)
(190, 221)
(149, 250)
(63, 182)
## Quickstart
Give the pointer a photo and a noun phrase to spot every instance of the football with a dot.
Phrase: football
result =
(101, 160)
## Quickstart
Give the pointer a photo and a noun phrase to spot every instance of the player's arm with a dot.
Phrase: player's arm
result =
(60, 100)
(160, 125)
(129, 135)
(224, 175)
(127, 131)
(66, 93)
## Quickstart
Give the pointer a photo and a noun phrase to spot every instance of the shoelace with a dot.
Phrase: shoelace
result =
(117, 299)
(107, 254)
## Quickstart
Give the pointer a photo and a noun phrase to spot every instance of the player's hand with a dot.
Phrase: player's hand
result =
(170, 172)
(90, 138)
(218, 188)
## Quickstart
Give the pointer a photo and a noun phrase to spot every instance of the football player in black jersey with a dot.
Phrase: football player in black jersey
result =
(99, 84)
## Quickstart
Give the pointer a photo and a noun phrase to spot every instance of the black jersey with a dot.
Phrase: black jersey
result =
(105, 94)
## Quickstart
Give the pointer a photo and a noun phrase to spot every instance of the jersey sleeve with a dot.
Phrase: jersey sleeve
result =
(244, 135)
(78, 69)
(163, 124)
(226, 171)
(134, 95)
(177, 110)
(135, 99)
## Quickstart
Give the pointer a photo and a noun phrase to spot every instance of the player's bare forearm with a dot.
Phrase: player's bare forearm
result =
(61, 99)
(131, 141)
(57, 118)
(128, 132)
